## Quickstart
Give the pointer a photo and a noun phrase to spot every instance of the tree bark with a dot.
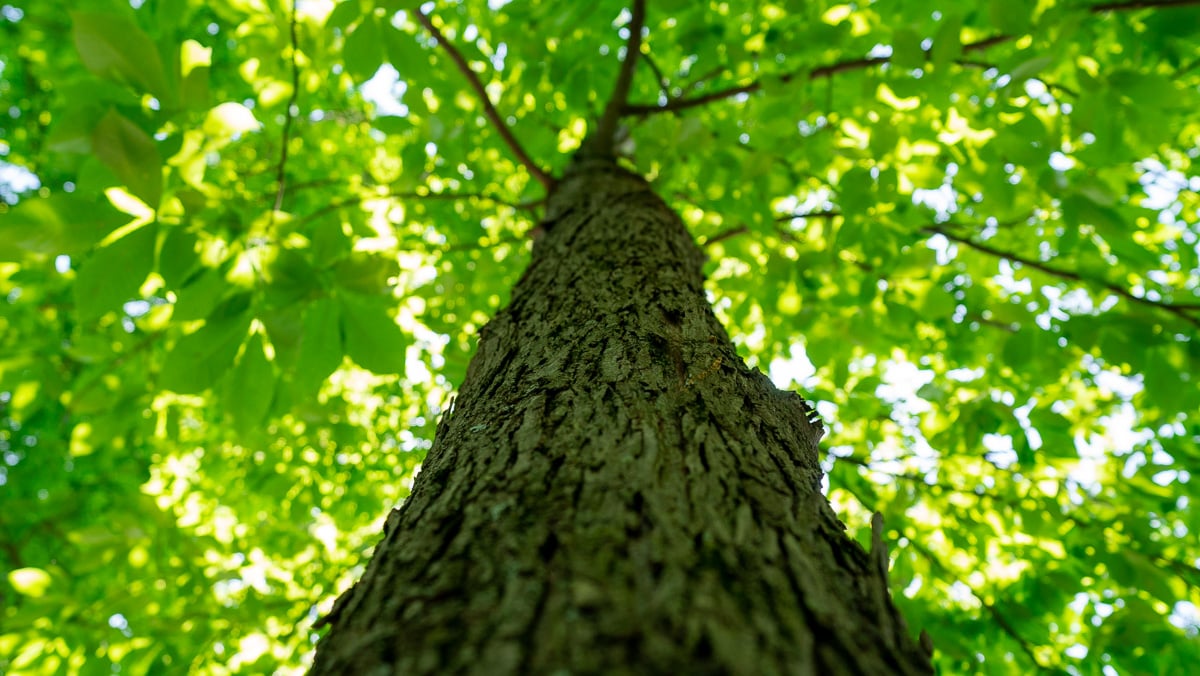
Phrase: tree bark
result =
(615, 491)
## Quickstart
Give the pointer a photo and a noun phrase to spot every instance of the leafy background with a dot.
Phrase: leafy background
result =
(245, 247)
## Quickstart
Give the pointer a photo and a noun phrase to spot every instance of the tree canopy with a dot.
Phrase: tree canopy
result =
(246, 245)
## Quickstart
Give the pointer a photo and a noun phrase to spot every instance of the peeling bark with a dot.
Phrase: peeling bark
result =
(615, 491)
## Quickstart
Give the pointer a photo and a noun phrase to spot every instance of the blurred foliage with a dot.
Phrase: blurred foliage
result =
(245, 247)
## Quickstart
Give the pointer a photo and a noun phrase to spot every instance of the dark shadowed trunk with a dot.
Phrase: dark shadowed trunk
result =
(615, 491)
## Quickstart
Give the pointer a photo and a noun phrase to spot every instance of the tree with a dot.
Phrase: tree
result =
(969, 235)
(614, 490)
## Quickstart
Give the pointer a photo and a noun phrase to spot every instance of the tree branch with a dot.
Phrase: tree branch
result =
(826, 214)
(784, 218)
(642, 110)
(488, 109)
(1180, 310)
(727, 234)
(604, 138)
(289, 116)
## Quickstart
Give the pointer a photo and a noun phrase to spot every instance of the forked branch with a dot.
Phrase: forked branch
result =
(643, 109)
(489, 109)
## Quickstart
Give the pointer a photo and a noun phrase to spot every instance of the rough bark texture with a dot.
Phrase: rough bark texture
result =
(615, 491)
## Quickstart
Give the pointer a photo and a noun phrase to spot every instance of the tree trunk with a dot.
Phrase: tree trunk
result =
(615, 491)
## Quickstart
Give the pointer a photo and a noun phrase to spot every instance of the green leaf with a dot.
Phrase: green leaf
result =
(404, 51)
(884, 137)
(131, 154)
(932, 392)
(373, 339)
(251, 386)
(114, 273)
(200, 358)
(63, 223)
(1029, 68)
(365, 272)
(906, 49)
(1069, 240)
(364, 50)
(1079, 209)
(320, 344)
(947, 42)
(344, 14)
(1144, 89)
(178, 258)
(329, 241)
(854, 190)
(1020, 348)
(71, 130)
(114, 47)
(200, 295)
(413, 161)
(1012, 17)
(290, 277)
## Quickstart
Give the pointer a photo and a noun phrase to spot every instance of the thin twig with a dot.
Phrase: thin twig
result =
(742, 228)
(664, 84)
(726, 234)
(289, 116)
(316, 183)
(605, 136)
(1180, 310)
(488, 108)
